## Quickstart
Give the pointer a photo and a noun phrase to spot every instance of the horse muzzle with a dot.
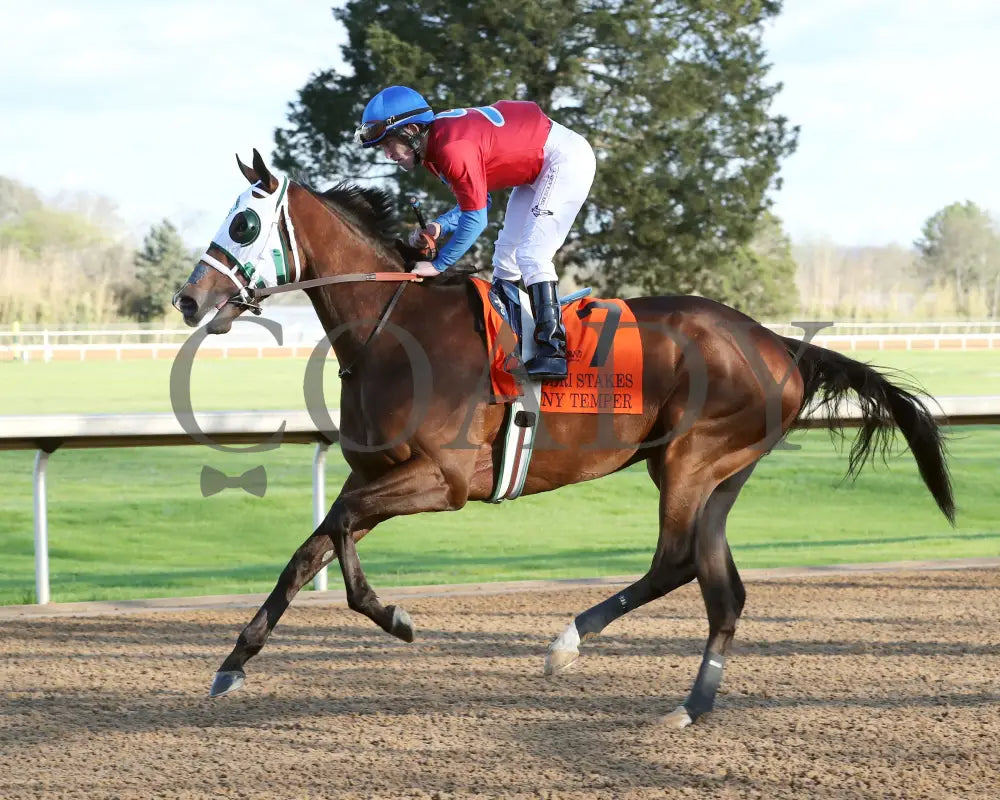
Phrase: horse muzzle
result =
(188, 306)
(195, 302)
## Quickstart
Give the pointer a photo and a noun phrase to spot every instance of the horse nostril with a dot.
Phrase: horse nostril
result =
(187, 306)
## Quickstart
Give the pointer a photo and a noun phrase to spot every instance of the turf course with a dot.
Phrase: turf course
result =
(132, 523)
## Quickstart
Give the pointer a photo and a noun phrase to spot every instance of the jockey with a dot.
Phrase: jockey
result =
(509, 144)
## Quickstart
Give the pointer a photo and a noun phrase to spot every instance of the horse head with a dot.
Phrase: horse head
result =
(343, 234)
(255, 247)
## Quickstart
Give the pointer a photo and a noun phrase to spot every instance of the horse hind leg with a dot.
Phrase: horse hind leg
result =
(723, 593)
(672, 566)
(565, 649)
(692, 543)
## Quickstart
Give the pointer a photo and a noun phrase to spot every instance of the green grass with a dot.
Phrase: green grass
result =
(276, 383)
(132, 523)
(974, 372)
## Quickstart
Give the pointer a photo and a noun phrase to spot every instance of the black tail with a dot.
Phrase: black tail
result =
(829, 376)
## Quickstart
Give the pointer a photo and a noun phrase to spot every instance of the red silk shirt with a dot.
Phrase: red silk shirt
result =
(477, 150)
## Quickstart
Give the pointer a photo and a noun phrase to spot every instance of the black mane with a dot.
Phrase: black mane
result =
(373, 210)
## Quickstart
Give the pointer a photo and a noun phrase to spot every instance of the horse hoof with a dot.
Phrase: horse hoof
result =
(558, 660)
(402, 625)
(226, 682)
(564, 650)
(678, 718)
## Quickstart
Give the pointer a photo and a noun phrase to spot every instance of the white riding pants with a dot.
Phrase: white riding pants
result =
(540, 214)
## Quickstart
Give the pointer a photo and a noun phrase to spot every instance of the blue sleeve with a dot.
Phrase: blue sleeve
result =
(470, 225)
(449, 220)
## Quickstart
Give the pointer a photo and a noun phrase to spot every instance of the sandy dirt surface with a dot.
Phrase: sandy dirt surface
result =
(878, 685)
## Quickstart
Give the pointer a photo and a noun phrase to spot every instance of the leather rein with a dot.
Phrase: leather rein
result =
(402, 278)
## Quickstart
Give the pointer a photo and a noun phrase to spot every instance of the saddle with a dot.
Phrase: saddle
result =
(603, 352)
(604, 356)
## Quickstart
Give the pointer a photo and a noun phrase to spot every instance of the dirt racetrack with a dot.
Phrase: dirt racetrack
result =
(870, 685)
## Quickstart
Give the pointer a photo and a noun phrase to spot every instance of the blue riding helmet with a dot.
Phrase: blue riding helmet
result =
(393, 107)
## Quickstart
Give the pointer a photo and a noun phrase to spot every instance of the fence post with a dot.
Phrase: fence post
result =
(319, 502)
(41, 531)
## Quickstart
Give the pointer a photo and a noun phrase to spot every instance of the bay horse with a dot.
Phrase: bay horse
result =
(746, 384)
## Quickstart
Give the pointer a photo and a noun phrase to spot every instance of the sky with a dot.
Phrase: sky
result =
(146, 103)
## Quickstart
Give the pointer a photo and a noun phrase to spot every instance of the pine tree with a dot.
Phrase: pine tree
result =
(161, 266)
(759, 278)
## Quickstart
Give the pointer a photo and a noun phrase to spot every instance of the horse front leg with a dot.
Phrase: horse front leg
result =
(359, 508)
(411, 488)
(315, 553)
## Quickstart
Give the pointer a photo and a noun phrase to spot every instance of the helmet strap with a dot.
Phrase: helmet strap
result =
(416, 142)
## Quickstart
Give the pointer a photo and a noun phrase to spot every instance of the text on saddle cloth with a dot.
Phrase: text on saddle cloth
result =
(604, 356)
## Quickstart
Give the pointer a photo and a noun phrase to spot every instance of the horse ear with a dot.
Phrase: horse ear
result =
(248, 172)
(267, 180)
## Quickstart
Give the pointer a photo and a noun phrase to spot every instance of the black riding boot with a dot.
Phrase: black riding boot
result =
(549, 362)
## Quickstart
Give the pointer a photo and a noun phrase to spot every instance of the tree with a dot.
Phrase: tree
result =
(161, 265)
(47, 230)
(960, 247)
(838, 282)
(98, 210)
(673, 97)
(58, 265)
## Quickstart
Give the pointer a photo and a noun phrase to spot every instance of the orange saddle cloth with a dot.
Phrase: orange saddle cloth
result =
(604, 354)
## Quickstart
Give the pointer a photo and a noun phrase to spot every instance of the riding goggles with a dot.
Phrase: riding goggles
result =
(373, 132)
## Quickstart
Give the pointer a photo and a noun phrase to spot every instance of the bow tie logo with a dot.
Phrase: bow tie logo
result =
(253, 481)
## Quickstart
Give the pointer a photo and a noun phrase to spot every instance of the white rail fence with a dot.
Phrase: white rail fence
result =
(79, 345)
(301, 332)
(48, 433)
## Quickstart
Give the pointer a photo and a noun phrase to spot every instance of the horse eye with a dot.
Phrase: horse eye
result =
(245, 227)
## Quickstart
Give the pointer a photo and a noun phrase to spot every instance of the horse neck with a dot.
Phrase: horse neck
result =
(334, 246)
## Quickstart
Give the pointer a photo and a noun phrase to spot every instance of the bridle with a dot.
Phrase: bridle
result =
(252, 301)
(402, 278)
(249, 295)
